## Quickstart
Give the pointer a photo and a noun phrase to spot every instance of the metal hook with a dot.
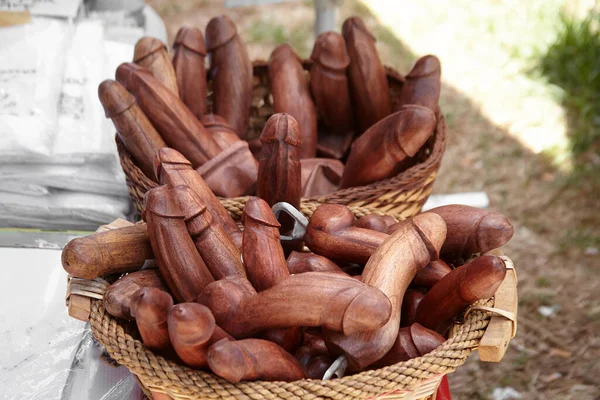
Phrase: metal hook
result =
(336, 369)
(300, 221)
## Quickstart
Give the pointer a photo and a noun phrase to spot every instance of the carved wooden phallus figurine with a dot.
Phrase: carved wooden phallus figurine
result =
(152, 54)
(178, 261)
(188, 61)
(298, 263)
(330, 89)
(318, 366)
(253, 359)
(133, 127)
(432, 273)
(117, 298)
(221, 131)
(320, 176)
(335, 301)
(368, 82)
(391, 269)
(412, 341)
(192, 330)
(410, 303)
(150, 307)
(262, 251)
(379, 223)
(422, 84)
(177, 125)
(479, 279)
(214, 245)
(173, 169)
(231, 72)
(473, 230)
(289, 89)
(331, 233)
(379, 153)
(279, 169)
(111, 252)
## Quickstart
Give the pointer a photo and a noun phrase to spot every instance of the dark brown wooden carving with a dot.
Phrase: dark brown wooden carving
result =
(432, 273)
(115, 251)
(330, 89)
(214, 244)
(179, 128)
(379, 153)
(192, 330)
(473, 230)
(476, 280)
(412, 341)
(291, 95)
(117, 298)
(368, 83)
(221, 131)
(152, 54)
(173, 169)
(422, 84)
(288, 339)
(132, 125)
(231, 72)
(150, 308)
(318, 366)
(410, 303)
(299, 263)
(188, 61)
(178, 261)
(391, 269)
(379, 223)
(331, 233)
(337, 302)
(320, 176)
(253, 359)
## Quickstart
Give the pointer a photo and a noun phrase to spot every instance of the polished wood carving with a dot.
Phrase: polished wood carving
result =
(117, 298)
(150, 308)
(188, 61)
(152, 54)
(432, 273)
(422, 84)
(379, 223)
(299, 263)
(221, 131)
(320, 176)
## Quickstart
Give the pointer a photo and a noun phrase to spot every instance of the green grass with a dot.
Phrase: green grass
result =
(269, 32)
(572, 63)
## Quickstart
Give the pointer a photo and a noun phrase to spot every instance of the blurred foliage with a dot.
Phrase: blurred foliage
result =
(572, 62)
(270, 32)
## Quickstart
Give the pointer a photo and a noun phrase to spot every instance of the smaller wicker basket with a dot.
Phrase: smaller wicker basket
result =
(487, 325)
(404, 194)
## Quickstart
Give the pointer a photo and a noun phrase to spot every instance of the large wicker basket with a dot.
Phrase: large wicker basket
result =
(404, 194)
(487, 325)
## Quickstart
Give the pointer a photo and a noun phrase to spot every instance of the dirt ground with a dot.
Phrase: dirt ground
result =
(557, 223)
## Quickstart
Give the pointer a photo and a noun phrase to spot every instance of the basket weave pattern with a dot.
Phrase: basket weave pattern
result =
(404, 194)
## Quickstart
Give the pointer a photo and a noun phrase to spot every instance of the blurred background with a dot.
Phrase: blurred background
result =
(521, 95)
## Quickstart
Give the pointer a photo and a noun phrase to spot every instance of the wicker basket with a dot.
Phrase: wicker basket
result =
(487, 325)
(404, 194)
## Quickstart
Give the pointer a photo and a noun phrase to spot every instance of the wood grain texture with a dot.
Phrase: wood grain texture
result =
(432, 273)
(188, 61)
(331, 233)
(379, 223)
(177, 125)
(262, 251)
(253, 359)
(192, 330)
(111, 252)
(391, 269)
(422, 84)
(117, 298)
(220, 129)
(368, 83)
(173, 169)
(320, 176)
(380, 152)
(334, 301)
(150, 307)
(279, 169)
(331, 91)
(476, 280)
(215, 246)
(298, 263)
(133, 127)
(473, 230)
(231, 72)
(179, 263)
(291, 95)
(152, 54)
(410, 303)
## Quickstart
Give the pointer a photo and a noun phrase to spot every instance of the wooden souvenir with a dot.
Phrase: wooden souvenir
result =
(410, 303)
(221, 131)
(188, 61)
(318, 366)
(432, 273)
(152, 54)
(150, 308)
(298, 263)
(379, 223)
(117, 298)
(289, 339)
(178, 261)
(320, 176)
(422, 84)
(383, 149)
